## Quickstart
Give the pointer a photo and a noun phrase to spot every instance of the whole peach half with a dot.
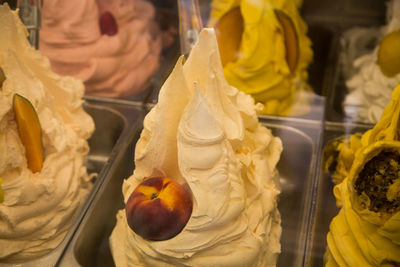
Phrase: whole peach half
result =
(159, 208)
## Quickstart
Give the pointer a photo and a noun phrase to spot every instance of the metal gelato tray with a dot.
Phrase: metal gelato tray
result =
(297, 167)
(113, 125)
(90, 244)
(325, 208)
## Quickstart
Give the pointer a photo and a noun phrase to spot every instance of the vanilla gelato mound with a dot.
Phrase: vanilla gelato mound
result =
(205, 133)
(366, 232)
(261, 69)
(119, 61)
(38, 208)
(369, 88)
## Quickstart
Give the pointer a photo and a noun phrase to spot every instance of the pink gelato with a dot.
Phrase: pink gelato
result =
(114, 46)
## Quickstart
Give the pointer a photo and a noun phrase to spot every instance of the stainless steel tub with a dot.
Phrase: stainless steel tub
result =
(325, 208)
(90, 247)
(301, 142)
(113, 125)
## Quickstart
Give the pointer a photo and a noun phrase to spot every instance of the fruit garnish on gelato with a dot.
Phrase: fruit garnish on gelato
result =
(366, 232)
(389, 54)
(205, 135)
(273, 52)
(113, 46)
(372, 76)
(158, 208)
(42, 165)
(290, 38)
(108, 24)
(29, 131)
(229, 30)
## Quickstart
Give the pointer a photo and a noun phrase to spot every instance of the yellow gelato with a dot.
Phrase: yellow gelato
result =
(366, 232)
(338, 156)
(273, 54)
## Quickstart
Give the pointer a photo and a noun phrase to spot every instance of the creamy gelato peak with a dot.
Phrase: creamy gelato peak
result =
(205, 134)
(38, 208)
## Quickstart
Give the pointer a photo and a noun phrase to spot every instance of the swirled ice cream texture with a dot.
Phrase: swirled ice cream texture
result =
(261, 68)
(369, 88)
(354, 240)
(205, 133)
(38, 208)
(364, 234)
(116, 65)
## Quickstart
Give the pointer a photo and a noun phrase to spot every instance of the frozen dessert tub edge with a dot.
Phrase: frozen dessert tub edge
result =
(325, 206)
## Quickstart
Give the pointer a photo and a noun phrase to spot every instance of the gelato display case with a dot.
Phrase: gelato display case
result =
(301, 139)
(340, 33)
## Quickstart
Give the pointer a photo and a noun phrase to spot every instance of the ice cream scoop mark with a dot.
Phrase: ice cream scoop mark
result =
(108, 24)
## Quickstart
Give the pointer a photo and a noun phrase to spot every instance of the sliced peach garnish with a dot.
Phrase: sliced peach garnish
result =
(29, 131)
(290, 39)
(229, 30)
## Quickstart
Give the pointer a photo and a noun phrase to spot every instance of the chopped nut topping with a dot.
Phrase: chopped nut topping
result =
(375, 179)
